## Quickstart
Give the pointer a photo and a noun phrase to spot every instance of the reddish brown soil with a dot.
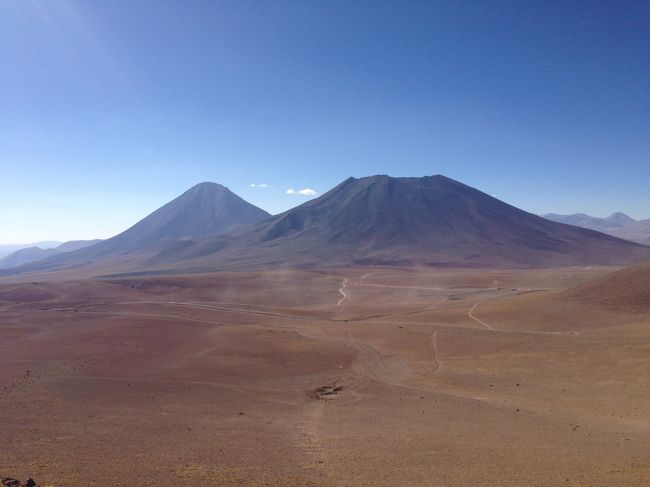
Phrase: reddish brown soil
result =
(368, 377)
(627, 290)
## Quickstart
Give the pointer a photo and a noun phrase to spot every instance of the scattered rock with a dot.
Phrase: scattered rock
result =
(9, 482)
(323, 392)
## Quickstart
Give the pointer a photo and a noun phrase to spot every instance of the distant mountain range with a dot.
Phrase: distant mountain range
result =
(35, 253)
(377, 220)
(617, 224)
(6, 249)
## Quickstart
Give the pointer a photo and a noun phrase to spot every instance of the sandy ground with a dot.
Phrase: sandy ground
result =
(336, 377)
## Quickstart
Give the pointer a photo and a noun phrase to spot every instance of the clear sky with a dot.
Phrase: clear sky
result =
(108, 109)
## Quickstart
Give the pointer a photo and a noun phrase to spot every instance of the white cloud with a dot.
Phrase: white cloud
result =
(260, 185)
(302, 192)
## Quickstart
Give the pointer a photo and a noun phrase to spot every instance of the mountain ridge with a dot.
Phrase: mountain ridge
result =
(375, 220)
(433, 220)
(617, 224)
(35, 253)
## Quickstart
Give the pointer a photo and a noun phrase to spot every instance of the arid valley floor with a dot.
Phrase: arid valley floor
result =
(341, 377)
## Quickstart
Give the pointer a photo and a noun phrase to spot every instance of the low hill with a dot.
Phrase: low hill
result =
(24, 256)
(6, 249)
(624, 290)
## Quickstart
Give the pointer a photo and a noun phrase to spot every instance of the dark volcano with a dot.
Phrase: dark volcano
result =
(412, 221)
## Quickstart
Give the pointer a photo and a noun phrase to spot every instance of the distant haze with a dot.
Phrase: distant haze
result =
(8, 248)
(617, 224)
(40, 251)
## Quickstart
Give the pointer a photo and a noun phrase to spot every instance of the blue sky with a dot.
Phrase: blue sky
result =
(110, 109)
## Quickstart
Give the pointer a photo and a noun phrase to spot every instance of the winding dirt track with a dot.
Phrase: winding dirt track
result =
(342, 290)
(470, 313)
(434, 346)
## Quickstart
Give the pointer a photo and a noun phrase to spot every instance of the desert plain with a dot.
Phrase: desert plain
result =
(345, 377)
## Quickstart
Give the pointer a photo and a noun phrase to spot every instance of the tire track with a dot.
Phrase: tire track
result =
(470, 313)
(344, 293)
(435, 359)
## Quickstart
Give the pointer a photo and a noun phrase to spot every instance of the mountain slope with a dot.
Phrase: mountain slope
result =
(205, 209)
(429, 221)
(617, 224)
(72, 245)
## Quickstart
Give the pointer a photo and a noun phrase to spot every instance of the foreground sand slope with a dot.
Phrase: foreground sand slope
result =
(331, 377)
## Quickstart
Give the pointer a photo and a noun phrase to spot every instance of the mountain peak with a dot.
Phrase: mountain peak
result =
(207, 185)
(621, 219)
(385, 177)
(206, 209)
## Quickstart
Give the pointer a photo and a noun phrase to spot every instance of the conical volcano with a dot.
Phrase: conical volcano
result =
(205, 209)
